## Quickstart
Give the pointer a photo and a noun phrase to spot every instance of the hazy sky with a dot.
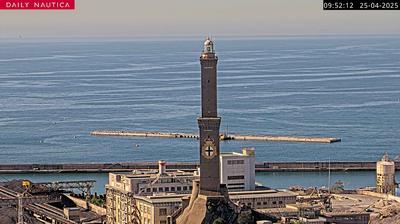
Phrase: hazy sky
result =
(141, 18)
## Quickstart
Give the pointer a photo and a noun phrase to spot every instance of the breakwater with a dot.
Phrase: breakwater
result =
(224, 137)
(128, 166)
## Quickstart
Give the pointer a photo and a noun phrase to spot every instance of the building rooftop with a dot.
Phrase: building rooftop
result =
(262, 193)
(139, 174)
(167, 198)
(277, 210)
(245, 152)
(343, 213)
(303, 206)
(386, 160)
(231, 154)
(352, 202)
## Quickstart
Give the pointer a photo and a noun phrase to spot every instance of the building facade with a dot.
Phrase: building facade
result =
(346, 217)
(263, 199)
(127, 208)
(238, 170)
(385, 176)
(148, 183)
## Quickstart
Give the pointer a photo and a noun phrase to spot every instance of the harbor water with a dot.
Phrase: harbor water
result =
(54, 92)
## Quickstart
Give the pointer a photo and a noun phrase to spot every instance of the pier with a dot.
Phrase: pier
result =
(224, 137)
(188, 166)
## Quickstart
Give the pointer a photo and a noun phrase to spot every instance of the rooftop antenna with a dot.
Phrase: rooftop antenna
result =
(329, 176)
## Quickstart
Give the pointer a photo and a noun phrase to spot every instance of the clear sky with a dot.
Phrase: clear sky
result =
(158, 18)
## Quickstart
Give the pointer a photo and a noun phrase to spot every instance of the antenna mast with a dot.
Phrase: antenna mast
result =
(329, 176)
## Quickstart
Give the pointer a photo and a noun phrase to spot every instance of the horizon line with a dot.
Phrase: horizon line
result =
(193, 37)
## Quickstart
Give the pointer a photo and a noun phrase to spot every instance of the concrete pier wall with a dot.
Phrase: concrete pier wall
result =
(124, 167)
(317, 166)
(156, 134)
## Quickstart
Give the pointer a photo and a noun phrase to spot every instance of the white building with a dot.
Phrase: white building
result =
(238, 170)
(147, 183)
(385, 176)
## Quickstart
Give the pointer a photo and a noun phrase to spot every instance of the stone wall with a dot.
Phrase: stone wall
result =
(82, 203)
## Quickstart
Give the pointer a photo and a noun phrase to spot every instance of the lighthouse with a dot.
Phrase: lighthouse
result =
(209, 122)
(209, 200)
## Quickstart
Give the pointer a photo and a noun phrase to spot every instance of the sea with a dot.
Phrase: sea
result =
(54, 92)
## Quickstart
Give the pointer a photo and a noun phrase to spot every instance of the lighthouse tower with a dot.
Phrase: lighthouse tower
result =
(209, 122)
(209, 200)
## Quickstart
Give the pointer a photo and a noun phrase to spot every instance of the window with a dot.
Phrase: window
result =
(166, 189)
(154, 189)
(280, 202)
(160, 189)
(235, 188)
(163, 222)
(163, 211)
(235, 162)
(178, 188)
(236, 177)
(172, 188)
(190, 187)
(236, 184)
(185, 188)
(259, 203)
(274, 202)
(148, 190)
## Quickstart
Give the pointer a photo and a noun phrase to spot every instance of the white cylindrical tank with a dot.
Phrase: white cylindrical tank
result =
(161, 167)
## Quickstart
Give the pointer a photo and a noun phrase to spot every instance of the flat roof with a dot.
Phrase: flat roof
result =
(154, 175)
(167, 198)
(276, 210)
(343, 213)
(352, 202)
(234, 154)
(263, 193)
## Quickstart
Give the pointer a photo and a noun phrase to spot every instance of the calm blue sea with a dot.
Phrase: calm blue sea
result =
(53, 93)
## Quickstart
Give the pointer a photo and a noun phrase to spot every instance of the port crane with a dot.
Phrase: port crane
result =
(26, 196)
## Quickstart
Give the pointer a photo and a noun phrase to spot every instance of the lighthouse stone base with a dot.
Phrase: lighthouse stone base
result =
(208, 207)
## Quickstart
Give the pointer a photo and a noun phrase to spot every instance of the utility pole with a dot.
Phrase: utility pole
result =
(20, 210)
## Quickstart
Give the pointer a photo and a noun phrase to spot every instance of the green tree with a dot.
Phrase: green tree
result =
(245, 218)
